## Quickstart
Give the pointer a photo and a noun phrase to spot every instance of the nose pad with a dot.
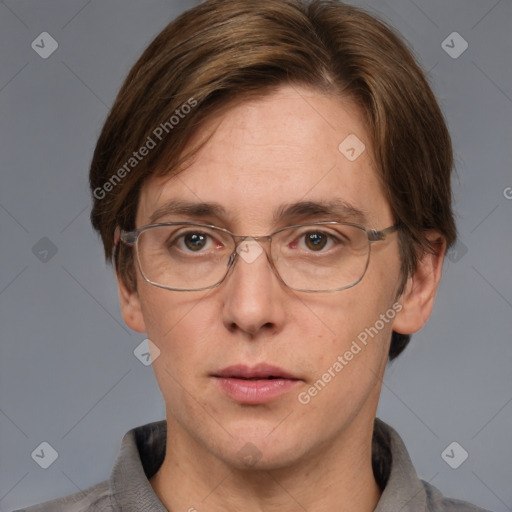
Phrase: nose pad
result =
(249, 250)
(231, 260)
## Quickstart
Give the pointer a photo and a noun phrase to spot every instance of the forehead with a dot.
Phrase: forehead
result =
(294, 145)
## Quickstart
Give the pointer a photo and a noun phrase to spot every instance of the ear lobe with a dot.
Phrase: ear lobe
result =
(130, 307)
(417, 300)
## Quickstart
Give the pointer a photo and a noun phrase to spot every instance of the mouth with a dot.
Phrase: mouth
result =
(255, 385)
(258, 372)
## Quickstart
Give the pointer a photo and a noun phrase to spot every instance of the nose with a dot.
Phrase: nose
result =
(254, 296)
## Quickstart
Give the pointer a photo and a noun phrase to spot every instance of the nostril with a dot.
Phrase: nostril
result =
(253, 329)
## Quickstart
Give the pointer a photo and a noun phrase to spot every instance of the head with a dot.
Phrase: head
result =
(245, 105)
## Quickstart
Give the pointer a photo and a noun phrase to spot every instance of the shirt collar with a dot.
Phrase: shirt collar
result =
(143, 451)
(404, 491)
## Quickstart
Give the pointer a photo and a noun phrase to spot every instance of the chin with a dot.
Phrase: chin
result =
(257, 450)
(251, 458)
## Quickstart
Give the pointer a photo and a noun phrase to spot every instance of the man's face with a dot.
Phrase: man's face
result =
(265, 155)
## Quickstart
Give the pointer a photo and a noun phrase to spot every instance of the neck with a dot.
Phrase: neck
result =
(338, 477)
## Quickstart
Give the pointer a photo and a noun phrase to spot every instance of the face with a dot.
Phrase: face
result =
(265, 155)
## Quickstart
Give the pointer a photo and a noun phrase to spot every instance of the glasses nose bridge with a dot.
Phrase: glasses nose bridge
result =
(239, 239)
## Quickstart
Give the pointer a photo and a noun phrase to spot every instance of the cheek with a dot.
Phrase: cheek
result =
(347, 360)
(336, 320)
(178, 323)
(166, 312)
(182, 327)
(350, 332)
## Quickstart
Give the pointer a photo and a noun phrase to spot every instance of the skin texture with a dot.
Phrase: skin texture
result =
(272, 151)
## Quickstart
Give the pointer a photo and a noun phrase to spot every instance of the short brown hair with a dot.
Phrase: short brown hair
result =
(229, 50)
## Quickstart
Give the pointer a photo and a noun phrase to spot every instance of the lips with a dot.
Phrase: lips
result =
(258, 372)
(255, 385)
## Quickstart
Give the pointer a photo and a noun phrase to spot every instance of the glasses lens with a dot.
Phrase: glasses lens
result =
(184, 257)
(321, 257)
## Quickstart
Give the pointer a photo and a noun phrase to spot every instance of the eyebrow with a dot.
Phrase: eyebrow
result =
(189, 209)
(336, 209)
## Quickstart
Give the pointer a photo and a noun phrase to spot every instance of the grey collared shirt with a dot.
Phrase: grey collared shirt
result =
(143, 450)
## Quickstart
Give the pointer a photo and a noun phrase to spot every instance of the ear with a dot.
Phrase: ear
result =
(417, 300)
(130, 306)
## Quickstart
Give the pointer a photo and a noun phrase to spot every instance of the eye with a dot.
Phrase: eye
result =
(316, 241)
(195, 241)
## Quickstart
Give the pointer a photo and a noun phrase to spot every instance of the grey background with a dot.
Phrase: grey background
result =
(68, 374)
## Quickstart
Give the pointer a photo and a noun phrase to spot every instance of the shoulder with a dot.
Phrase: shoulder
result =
(402, 489)
(93, 499)
(128, 488)
(438, 503)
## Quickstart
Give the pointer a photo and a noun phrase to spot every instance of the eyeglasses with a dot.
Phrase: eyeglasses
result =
(317, 257)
